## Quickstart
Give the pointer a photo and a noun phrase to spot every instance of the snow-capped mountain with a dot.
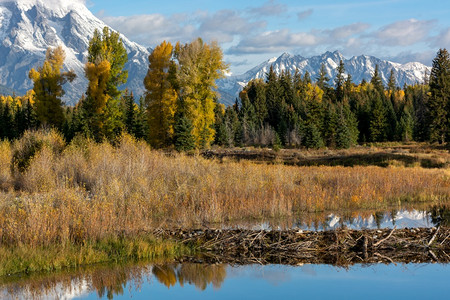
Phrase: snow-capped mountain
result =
(359, 67)
(29, 27)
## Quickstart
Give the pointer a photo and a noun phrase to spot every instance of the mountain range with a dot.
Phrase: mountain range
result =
(359, 67)
(29, 27)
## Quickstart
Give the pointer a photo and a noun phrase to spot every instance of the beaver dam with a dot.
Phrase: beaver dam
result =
(338, 247)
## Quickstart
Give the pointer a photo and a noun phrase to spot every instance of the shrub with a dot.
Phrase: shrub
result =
(31, 143)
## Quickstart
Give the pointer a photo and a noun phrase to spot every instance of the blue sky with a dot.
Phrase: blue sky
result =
(252, 31)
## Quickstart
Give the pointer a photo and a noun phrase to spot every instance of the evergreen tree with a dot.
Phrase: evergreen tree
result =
(30, 115)
(312, 138)
(391, 119)
(20, 120)
(47, 85)
(184, 140)
(340, 82)
(276, 104)
(347, 128)
(417, 95)
(405, 126)
(323, 79)
(141, 124)
(7, 122)
(256, 91)
(330, 126)
(307, 78)
(377, 82)
(247, 118)
(392, 84)
(130, 112)
(439, 101)
(378, 121)
(223, 136)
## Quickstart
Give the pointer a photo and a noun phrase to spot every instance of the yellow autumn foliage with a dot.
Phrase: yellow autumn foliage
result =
(313, 93)
(160, 96)
(200, 65)
(98, 76)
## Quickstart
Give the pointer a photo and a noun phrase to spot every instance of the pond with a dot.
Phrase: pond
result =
(202, 281)
(191, 280)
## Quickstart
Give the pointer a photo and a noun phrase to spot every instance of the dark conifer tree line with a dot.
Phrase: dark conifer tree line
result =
(294, 111)
(180, 108)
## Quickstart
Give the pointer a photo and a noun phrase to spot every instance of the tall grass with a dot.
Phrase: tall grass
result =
(82, 192)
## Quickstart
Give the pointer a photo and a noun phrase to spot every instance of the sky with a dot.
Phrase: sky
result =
(251, 31)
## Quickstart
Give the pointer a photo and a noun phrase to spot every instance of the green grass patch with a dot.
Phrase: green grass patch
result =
(25, 259)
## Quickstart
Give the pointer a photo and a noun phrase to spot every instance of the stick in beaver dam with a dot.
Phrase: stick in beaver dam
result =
(340, 247)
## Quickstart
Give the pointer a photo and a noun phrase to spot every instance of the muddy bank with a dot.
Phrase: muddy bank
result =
(339, 247)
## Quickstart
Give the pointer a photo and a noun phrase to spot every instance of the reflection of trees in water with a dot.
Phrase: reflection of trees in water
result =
(378, 216)
(109, 281)
(440, 215)
(105, 280)
(165, 274)
(200, 275)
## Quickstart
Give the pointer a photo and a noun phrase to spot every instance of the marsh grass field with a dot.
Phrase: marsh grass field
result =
(64, 205)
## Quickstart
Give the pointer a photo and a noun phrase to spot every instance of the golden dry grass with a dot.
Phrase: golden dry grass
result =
(92, 191)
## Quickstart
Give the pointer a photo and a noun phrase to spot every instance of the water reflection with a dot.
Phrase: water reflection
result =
(399, 218)
(202, 281)
(111, 281)
(107, 281)
(199, 275)
(127, 280)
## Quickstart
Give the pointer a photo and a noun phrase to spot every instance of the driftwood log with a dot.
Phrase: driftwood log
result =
(338, 247)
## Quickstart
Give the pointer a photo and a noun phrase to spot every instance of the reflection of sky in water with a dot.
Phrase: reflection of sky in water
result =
(400, 219)
(412, 281)
(197, 281)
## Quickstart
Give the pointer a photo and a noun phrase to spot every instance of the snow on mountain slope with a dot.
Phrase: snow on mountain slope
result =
(29, 27)
(359, 67)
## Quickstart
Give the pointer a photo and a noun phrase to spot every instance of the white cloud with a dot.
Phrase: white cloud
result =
(404, 33)
(150, 29)
(224, 25)
(286, 40)
(275, 41)
(344, 32)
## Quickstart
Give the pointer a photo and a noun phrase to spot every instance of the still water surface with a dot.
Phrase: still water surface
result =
(357, 220)
(200, 281)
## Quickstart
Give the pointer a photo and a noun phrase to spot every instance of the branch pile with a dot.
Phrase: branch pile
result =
(339, 247)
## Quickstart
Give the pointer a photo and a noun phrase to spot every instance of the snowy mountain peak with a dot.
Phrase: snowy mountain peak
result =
(29, 27)
(285, 55)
